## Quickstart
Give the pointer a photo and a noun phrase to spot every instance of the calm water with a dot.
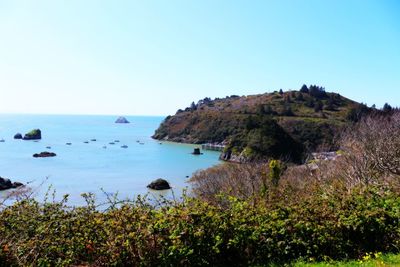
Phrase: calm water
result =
(89, 167)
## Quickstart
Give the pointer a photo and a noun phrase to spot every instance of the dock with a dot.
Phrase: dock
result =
(214, 147)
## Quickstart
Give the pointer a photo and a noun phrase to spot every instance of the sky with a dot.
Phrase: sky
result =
(154, 57)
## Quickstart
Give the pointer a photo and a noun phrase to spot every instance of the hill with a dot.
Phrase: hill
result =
(280, 124)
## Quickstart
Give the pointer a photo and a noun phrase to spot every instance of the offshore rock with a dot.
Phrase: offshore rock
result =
(159, 184)
(7, 184)
(35, 134)
(44, 154)
(121, 120)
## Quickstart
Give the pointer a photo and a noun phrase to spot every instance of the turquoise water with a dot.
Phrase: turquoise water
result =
(81, 167)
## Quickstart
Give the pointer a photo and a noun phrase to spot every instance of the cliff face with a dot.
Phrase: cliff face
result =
(279, 124)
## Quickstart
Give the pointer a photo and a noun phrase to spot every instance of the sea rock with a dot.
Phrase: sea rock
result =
(44, 154)
(7, 184)
(18, 136)
(196, 151)
(35, 134)
(121, 120)
(159, 184)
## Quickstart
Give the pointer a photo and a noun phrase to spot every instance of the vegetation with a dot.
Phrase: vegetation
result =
(309, 118)
(368, 260)
(256, 214)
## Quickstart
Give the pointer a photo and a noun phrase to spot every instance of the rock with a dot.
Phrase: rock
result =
(17, 184)
(35, 134)
(18, 136)
(7, 184)
(230, 157)
(159, 184)
(86, 142)
(48, 147)
(68, 144)
(124, 146)
(196, 151)
(121, 120)
(44, 154)
(93, 140)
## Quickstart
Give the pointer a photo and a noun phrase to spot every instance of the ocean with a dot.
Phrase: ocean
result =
(97, 166)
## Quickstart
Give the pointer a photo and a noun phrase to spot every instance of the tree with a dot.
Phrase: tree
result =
(281, 92)
(387, 108)
(310, 103)
(318, 106)
(304, 89)
(330, 104)
(193, 106)
(275, 171)
(357, 112)
(317, 91)
(287, 111)
(299, 97)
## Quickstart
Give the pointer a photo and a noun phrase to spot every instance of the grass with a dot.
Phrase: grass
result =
(369, 260)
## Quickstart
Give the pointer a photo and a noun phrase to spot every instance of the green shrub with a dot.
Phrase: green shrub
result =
(196, 233)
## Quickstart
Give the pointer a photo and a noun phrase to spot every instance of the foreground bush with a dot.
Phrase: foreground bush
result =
(196, 233)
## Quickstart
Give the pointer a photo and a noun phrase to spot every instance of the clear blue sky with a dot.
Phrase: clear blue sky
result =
(153, 57)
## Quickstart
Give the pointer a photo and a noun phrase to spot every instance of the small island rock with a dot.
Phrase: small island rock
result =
(159, 184)
(33, 135)
(18, 136)
(121, 120)
(44, 154)
(7, 184)
(196, 151)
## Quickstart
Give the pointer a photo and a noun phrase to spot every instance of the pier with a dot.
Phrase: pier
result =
(214, 147)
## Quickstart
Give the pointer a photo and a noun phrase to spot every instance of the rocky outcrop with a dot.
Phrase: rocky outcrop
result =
(196, 151)
(35, 134)
(18, 136)
(7, 184)
(44, 154)
(230, 157)
(121, 120)
(159, 184)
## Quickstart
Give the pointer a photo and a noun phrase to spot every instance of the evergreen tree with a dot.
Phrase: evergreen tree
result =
(193, 106)
(387, 108)
(304, 89)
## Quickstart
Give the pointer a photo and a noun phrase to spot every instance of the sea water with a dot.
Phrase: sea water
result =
(97, 166)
